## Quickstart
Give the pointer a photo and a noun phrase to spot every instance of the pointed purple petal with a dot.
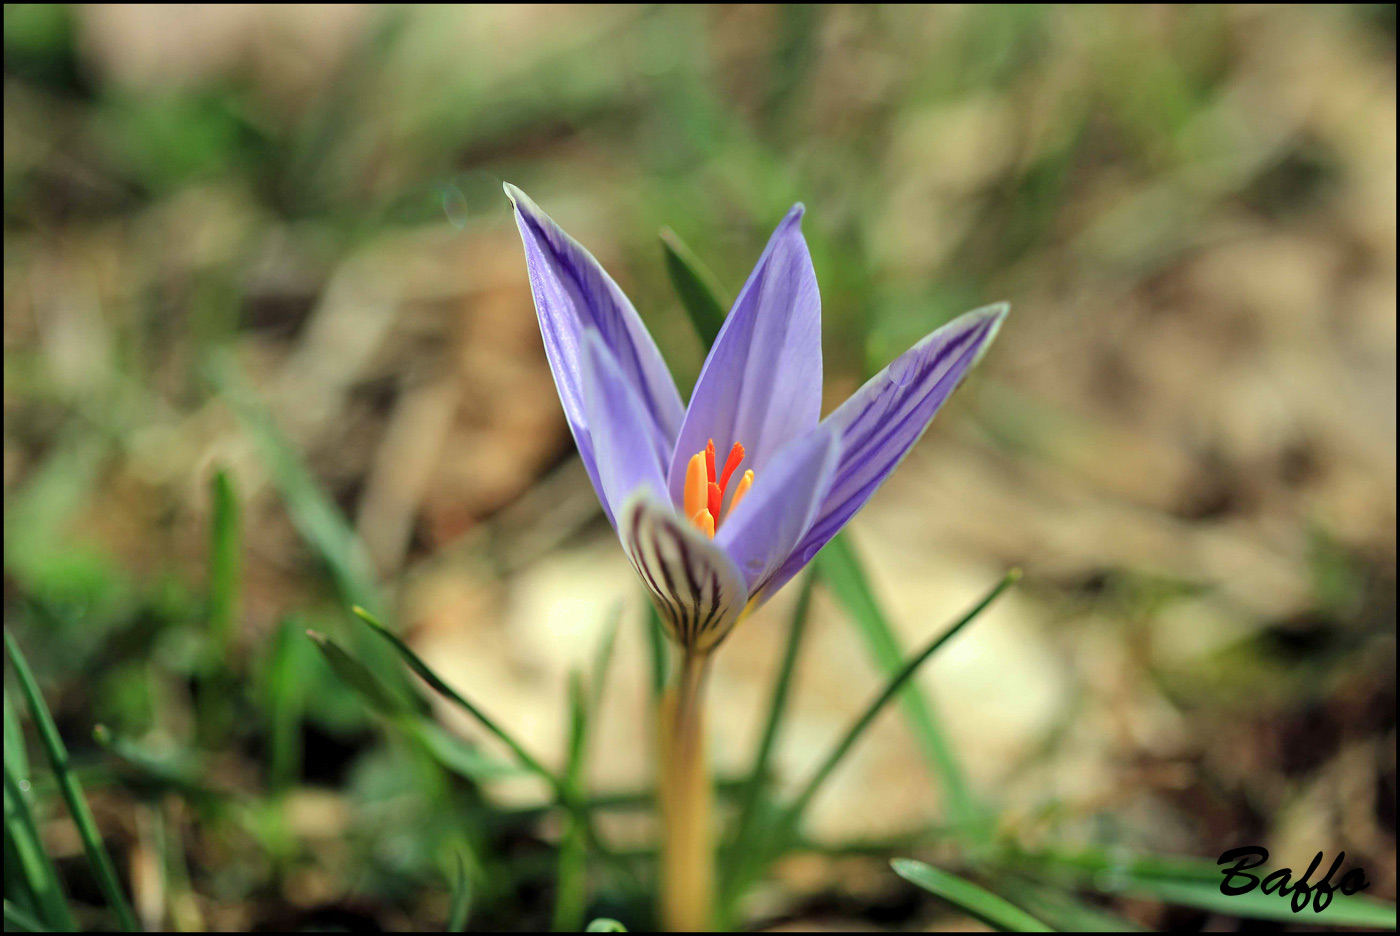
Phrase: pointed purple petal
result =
(761, 532)
(696, 587)
(761, 385)
(625, 459)
(882, 420)
(572, 294)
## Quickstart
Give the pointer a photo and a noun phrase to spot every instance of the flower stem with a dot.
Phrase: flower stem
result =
(687, 849)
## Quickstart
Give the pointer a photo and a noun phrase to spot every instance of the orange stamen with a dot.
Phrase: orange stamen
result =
(697, 494)
(705, 521)
(703, 496)
(745, 483)
(736, 455)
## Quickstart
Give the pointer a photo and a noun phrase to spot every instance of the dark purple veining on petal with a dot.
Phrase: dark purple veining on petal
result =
(572, 294)
(761, 383)
(881, 423)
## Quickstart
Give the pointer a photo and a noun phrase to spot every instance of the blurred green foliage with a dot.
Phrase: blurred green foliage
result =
(183, 194)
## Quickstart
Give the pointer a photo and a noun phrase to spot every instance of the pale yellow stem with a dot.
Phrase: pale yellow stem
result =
(687, 848)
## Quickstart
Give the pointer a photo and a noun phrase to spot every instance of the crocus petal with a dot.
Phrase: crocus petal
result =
(625, 458)
(762, 531)
(882, 420)
(573, 294)
(696, 587)
(762, 382)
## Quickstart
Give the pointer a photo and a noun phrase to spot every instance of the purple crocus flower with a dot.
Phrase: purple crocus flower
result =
(708, 547)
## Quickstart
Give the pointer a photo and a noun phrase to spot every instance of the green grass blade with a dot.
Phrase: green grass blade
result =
(156, 774)
(892, 688)
(456, 754)
(841, 572)
(602, 660)
(657, 655)
(698, 290)
(17, 920)
(443, 689)
(1084, 864)
(1193, 882)
(1063, 910)
(571, 896)
(449, 751)
(225, 561)
(26, 859)
(758, 776)
(15, 754)
(358, 677)
(527, 760)
(981, 903)
(290, 657)
(1343, 911)
(783, 828)
(71, 789)
(461, 900)
(314, 514)
(605, 925)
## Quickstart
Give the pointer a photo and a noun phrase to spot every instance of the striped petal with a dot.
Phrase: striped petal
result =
(572, 295)
(696, 587)
(626, 462)
(762, 382)
(882, 420)
(761, 532)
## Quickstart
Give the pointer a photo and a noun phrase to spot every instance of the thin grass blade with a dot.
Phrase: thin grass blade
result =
(16, 757)
(461, 900)
(456, 754)
(1063, 910)
(841, 571)
(981, 903)
(71, 789)
(1193, 882)
(443, 689)
(524, 757)
(358, 677)
(697, 287)
(602, 660)
(290, 657)
(1343, 911)
(155, 774)
(892, 688)
(26, 860)
(782, 830)
(448, 750)
(18, 920)
(758, 776)
(657, 657)
(571, 895)
(313, 512)
(225, 561)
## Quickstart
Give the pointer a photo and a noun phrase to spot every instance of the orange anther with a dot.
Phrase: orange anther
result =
(705, 521)
(710, 460)
(697, 493)
(745, 483)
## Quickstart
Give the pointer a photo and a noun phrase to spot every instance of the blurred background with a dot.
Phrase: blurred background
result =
(264, 251)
